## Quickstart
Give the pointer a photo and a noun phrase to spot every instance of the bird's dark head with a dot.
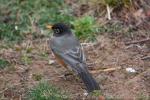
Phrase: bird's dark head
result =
(60, 28)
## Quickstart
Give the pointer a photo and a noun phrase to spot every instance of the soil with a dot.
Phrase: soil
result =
(32, 61)
(106, 53)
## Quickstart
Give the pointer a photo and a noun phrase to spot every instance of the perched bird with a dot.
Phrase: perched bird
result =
(69, 53)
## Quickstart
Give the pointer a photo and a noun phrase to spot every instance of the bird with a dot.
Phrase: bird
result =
(70, 54)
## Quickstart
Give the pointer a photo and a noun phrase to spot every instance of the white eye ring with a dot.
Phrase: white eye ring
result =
(57, 31)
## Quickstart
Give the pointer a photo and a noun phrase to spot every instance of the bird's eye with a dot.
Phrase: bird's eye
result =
(56, 30)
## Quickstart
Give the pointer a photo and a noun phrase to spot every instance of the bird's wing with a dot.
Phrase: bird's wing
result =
(76, 53)
(71, 52)
(73, 57)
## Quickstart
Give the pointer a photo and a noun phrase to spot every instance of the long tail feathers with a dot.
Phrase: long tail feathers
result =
(88, 80)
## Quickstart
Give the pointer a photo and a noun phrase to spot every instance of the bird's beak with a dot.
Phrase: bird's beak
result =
(49, 26)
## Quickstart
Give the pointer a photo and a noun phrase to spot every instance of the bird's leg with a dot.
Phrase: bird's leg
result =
(68, 74)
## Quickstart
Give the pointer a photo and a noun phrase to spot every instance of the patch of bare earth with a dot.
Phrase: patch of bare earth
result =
(121, 84)
(107, 53)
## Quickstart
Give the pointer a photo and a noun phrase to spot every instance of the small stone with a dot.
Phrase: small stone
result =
(131, 70)
(85, 93)
(50, 62)
(16, 27)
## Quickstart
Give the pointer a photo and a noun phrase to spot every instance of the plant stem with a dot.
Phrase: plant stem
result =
(108, 12)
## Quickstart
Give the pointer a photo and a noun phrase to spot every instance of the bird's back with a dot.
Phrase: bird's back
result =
(65, 42)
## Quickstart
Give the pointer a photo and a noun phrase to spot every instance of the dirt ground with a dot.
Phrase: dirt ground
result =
(107, 60)
(104, 54)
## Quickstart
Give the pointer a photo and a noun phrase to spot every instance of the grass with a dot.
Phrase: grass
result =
(44, 55)
(9, 33)
(142, 96)
(45, 91)
(96, 93)
(25, 59)
(113, 3)
(3, 63)
(37, 77)
(110, 28)
(17, 16)
(85, 28)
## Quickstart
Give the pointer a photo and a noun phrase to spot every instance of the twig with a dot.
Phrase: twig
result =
(35, 82)
(105, 70)
(140, 41)
(87, 44)
(146, 58)
(35, 27)
(108, 12)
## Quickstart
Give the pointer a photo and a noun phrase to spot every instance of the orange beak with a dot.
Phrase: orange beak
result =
(49, 26)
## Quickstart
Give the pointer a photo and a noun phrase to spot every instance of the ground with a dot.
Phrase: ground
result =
(30, 65)
(122, 43)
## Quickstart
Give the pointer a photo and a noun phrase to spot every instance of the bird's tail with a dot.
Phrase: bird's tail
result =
(87, 78)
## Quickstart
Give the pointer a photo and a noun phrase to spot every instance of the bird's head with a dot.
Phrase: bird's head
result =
(59, 28)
